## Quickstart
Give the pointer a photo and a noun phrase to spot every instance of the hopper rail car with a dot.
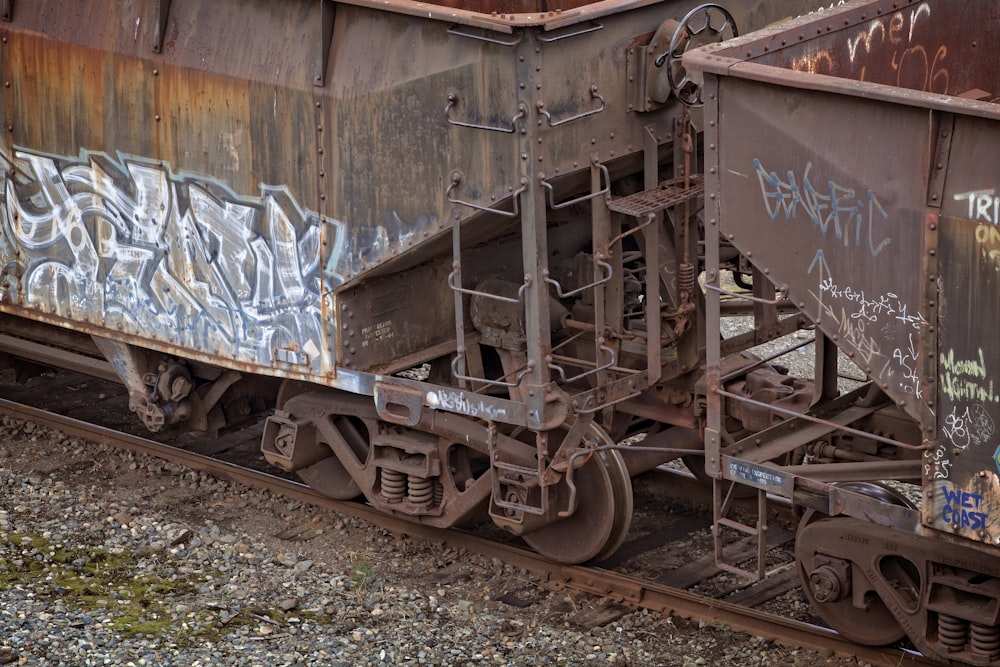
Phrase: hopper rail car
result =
(246, 206)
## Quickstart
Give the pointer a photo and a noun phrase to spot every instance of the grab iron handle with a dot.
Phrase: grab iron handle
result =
(603, 191)
(456, 179)
(522, 111)
(593, 95)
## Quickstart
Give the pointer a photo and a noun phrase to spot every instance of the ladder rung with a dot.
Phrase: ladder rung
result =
(735, 525)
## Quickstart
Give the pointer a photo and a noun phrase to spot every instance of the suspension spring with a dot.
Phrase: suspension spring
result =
(421, 490)
(985, 639)
(952, 631)
(438, 492)
(685, 277)
(393, 485)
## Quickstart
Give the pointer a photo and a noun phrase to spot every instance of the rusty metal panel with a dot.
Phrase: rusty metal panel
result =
(179, 179)
(965, 466)
(805, 197)
(856, 166)
(163, 197)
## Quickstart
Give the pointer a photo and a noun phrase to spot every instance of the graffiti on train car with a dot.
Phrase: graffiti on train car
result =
(984, 205)
(961, 508)
(967, 425)
(984, 209)
(867, 322)
(896, 49)
(129, 244)
(833, 209)
(969, 508)
(966, 379)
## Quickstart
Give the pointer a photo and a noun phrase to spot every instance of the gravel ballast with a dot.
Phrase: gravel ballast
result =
(108, 558)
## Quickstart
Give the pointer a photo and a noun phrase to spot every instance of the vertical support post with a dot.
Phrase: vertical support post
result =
(456, 266)
(651, 181)
(825, 387)
(713, 310)
(765, 315)
(534, 232)
(600, 229)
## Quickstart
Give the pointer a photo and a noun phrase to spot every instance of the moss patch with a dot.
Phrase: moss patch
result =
(134, 593)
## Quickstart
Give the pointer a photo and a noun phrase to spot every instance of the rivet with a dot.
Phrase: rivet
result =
(157, 117)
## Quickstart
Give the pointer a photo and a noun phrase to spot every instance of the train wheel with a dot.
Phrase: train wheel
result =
(329, 476)
(828, 581)
(603, 514)
(828, 584)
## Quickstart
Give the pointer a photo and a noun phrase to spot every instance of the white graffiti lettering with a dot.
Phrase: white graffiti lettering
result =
(984, 205)
(458, 401)
(127, 243)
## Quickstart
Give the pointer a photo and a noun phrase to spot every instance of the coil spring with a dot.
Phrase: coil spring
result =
(421, 490)
(393, 485)
(985, 639)
(685, 277)
(438, 493)
(952, 632)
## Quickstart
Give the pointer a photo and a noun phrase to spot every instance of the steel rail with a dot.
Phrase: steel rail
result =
(610, 585)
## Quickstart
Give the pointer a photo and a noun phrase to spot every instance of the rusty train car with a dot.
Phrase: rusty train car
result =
(467, 256)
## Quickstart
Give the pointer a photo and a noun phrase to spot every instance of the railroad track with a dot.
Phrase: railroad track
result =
(623, 591)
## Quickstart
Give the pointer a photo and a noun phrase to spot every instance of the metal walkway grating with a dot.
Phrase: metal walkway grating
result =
(670, 193)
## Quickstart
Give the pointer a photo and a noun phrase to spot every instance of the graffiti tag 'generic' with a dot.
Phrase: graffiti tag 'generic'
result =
(459, 401)
(961, 509)
(835, 207)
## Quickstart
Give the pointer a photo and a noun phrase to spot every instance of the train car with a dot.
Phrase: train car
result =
(454, 246)
(863, 139)
(464, 257)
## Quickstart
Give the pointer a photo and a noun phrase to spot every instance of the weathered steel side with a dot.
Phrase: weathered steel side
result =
(864, 140)
(204, 181)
